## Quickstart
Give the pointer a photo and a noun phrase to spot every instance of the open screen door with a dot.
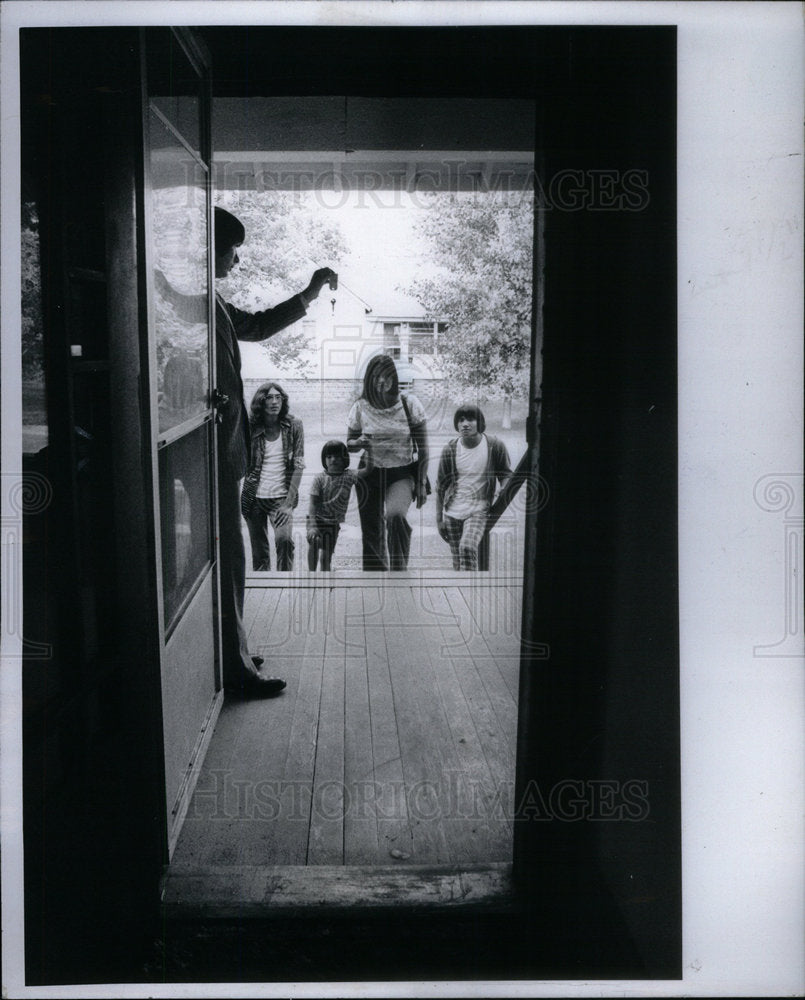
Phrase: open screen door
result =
(181, 381)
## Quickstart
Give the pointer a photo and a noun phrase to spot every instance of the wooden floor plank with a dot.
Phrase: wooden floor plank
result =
(472, 624)
(326, 838)
(505, 641)
(496, 613)
(498, 743)
(209, 833)
(360, 821)
(261, 621)
(394, 835)
(279, 626)
(258, 733)
(495, 610)
(225, 812)
(262, 760)
(464, 769)
(483, 837)
(423, 733)
(400, 697)
(481, 612)
(291, 831)
(252, 599)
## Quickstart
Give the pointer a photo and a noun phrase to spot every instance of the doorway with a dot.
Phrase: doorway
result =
(394, 746)
(603, 708)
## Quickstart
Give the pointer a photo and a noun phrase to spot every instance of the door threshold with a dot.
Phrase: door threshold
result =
(326, 580)
(190, 892)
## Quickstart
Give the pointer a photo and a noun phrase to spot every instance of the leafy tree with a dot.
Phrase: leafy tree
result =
(32, 343)
(286, 240)
(476, 276)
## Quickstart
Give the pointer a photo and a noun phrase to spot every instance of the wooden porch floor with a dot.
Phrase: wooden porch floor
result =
(394, 742)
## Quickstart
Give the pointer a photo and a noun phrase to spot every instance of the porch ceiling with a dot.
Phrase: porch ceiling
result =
(412, 171)
(413, 144)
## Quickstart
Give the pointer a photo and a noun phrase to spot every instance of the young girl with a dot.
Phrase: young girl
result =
(329, 499)
(469, 468)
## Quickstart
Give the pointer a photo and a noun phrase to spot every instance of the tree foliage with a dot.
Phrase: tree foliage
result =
(32, 341)
(286, 240)
(476, 276)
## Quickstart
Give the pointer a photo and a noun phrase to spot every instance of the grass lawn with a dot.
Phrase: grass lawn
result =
(427, 548)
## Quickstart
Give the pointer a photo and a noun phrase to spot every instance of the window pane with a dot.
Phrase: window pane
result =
(184, 487)
(421, 343)
(391, 340)
(179, 228)
(174, 86)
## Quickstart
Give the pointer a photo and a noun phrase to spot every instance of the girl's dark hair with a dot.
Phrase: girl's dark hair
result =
(335, 448)
(229, 231)
(380, 364)
(471, 411)
(256, 415)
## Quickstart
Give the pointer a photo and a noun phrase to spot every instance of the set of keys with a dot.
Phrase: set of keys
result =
(333, 287)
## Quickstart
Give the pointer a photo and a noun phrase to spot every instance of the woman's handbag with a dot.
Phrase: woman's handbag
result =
(415, 462)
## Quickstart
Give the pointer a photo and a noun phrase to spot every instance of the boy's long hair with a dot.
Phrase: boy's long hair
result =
(256, 416)
(473, 412)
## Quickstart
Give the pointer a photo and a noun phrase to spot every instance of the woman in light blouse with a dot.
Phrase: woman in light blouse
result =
(395, 427)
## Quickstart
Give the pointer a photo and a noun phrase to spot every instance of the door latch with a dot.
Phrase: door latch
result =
(219, 401)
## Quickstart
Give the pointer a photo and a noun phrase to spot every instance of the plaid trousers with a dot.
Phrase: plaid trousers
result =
(464, 537)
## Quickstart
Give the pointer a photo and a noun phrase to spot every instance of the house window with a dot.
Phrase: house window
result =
(423, 338)
(391, 339)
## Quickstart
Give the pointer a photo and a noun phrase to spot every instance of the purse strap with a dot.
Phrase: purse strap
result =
(414, 449)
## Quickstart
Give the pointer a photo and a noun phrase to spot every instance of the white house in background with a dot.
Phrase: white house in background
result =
(347, 329)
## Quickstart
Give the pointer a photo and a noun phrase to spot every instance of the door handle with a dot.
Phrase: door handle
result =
(219, 401)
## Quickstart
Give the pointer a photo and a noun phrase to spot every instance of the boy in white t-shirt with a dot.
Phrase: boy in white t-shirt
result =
(470, 467)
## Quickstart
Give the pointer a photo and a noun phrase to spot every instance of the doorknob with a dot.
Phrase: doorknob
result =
(219, 401)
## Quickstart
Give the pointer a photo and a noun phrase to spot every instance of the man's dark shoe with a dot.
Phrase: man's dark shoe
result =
(263, 687)
(256, 686)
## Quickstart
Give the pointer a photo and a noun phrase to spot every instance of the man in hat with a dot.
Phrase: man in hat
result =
(242, 673)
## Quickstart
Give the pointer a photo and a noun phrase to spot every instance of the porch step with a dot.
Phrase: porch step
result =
(427, 577)
(260, 891)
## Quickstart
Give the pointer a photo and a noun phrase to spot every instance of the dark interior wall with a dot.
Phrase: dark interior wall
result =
(605, 706)
(92, 804)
